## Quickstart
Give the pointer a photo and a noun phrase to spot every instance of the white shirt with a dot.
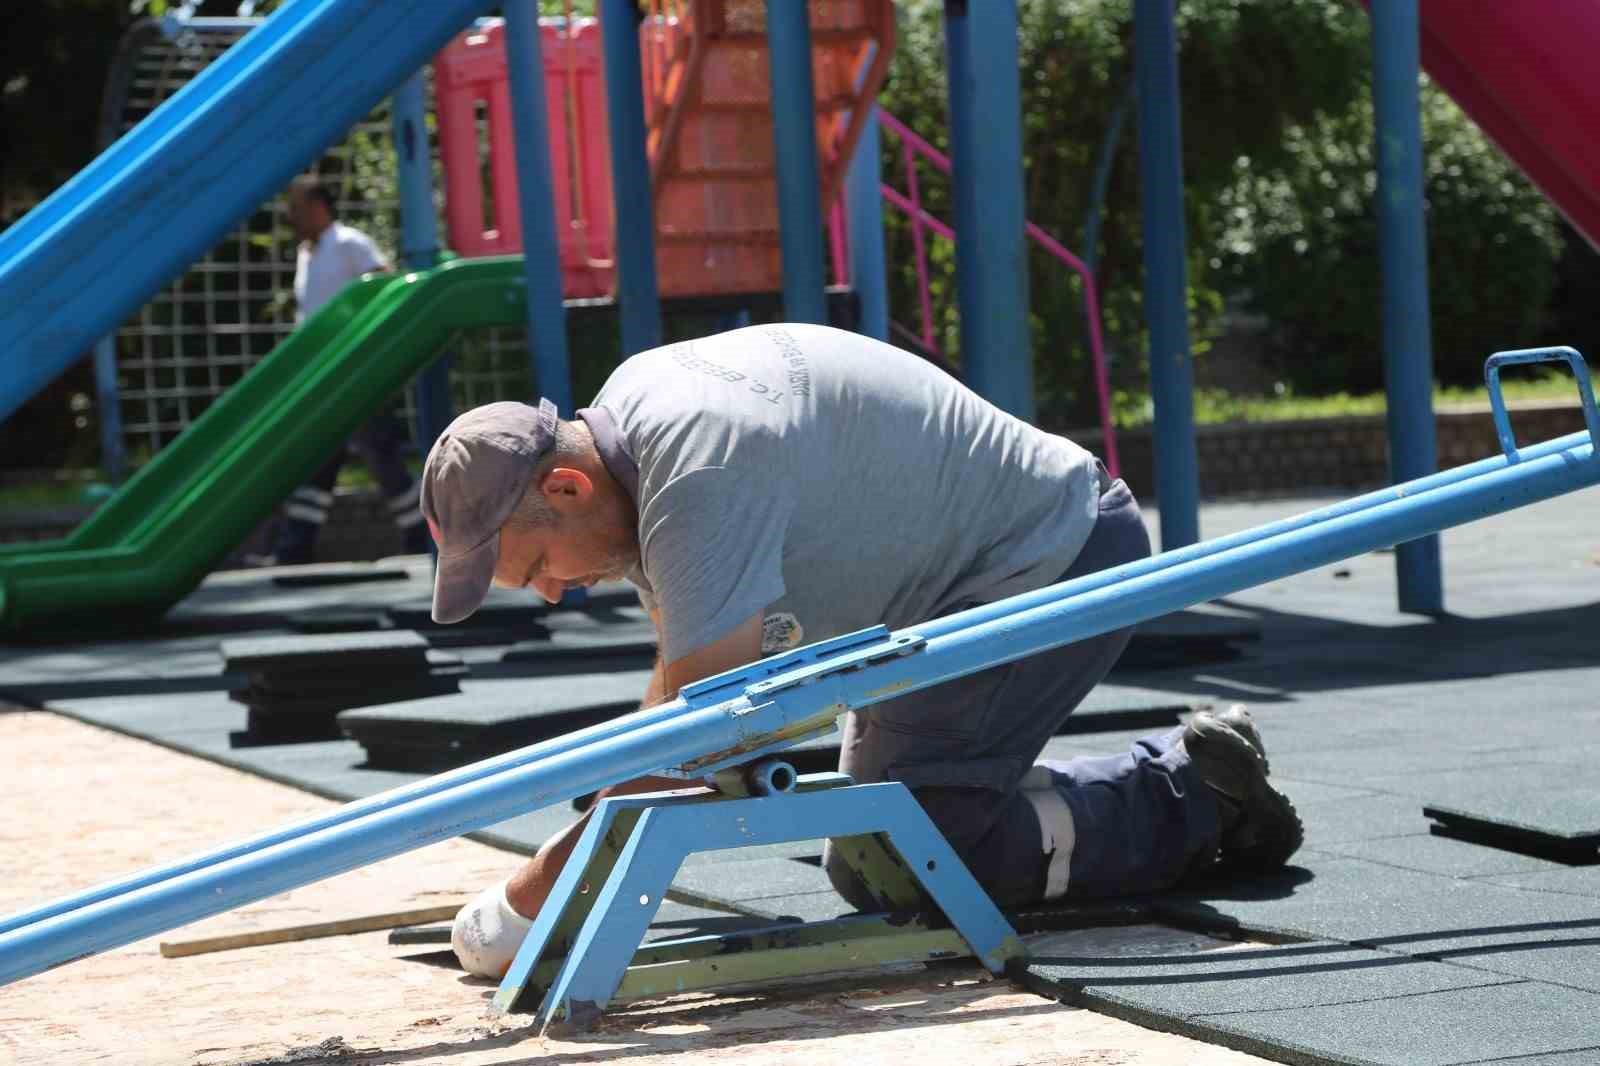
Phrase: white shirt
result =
(321, 270)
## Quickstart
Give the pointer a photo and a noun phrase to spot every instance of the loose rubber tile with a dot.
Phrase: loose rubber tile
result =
(1482, 1024)
(1556, 799)
(1438, 855)
(286, 654)
(498, 703)
(1170, 972)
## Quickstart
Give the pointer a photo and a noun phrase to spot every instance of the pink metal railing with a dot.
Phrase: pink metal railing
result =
(910, 202)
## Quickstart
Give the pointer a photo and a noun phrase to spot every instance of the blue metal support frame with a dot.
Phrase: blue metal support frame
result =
(986, 161)
(419, 240)
(864, 210)
(1403, 255)
(633, 204)
(1155, 55)
(671, 827)
(747, 713)
(794, 136)
(536, 201)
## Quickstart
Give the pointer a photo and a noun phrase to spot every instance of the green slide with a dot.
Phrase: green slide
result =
(152, 543)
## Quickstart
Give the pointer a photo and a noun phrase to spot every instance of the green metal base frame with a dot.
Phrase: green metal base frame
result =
(583, 952)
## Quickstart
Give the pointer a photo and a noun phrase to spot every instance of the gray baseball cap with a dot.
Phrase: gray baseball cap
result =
(474, 478)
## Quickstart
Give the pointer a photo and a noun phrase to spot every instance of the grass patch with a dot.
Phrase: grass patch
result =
(1217, 406)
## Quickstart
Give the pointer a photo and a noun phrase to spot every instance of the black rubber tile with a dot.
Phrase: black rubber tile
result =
(339, 650)
(754, 879)
(1437, 855)
(1340, 761)
(562, 646)
(311, 702)
(336, 574)
(338, 620)
(1531, 807)
(1179, 974)
(806, 906)
(1312, 793)
(489, 717)
(1432, 1029)
(1366, 817)
(1363, 903)
(1573, 960)
(1552, 877)
(1582, 1057)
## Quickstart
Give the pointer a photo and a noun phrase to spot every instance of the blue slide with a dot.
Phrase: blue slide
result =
(73, 269)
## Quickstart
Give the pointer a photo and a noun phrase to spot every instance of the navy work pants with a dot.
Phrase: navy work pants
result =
(1029, 831)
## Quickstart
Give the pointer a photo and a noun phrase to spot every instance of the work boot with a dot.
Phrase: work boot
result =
(1236, 718)
(1260, 828)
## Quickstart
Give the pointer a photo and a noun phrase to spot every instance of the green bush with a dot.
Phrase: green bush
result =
(1302, 248)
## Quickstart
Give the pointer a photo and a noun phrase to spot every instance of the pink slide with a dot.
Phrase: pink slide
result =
(1526, 74)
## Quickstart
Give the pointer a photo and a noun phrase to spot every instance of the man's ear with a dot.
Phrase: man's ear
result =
(566, 489)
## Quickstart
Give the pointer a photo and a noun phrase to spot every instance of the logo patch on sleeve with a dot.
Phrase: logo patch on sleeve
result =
(780, 632)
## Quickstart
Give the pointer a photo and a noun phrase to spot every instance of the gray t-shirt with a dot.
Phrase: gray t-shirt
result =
(830, 482)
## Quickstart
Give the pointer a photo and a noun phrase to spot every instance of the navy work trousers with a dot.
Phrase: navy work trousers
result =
(968, 750)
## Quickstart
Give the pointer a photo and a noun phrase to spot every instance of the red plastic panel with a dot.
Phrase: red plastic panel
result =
(1523, 72)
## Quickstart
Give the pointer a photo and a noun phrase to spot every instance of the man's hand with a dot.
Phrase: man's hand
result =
(489, 930)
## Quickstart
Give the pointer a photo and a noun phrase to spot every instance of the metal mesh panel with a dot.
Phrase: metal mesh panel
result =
(201, 333)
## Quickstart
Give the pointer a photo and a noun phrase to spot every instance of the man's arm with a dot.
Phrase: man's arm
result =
(526, 892)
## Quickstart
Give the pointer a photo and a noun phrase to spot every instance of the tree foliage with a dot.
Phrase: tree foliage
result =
(1277, 138)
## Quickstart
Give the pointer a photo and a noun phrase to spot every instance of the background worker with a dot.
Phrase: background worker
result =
(331, 255)
(778, 485)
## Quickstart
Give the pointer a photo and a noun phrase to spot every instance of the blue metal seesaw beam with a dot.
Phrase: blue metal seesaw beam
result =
(740, 716)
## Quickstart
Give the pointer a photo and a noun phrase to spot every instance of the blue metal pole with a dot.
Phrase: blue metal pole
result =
(633, 205)
(990, 220)
(419, 240)
(1104, 159)
(1403, 255)
(732, 720)
(794, 135)
(108, 407)
(541, 249)
(1155, 53)
(864, 210)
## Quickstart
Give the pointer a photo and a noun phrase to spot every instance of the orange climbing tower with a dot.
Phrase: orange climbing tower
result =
(709, 126)
(708, 113)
